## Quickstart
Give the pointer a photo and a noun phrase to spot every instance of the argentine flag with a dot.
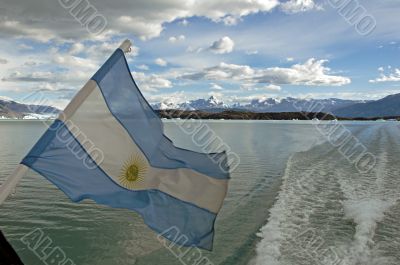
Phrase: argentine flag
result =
(108, 145)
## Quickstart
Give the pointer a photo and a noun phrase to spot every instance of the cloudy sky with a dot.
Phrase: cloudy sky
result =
(186, 49)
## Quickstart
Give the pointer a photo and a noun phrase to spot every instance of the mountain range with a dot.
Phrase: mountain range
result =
(385, 107)
(289, 104)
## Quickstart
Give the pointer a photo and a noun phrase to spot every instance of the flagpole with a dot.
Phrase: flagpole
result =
(9, 185)
(126, 46)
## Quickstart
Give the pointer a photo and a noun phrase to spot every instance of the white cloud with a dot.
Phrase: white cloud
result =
(254, 87)
(70, 61)
(295, 6)
(58, 66)
(270, 87)
(363, 95)
(392, 76)
(142, 67)
(18, 29)
(29, 77)
(151, 82)
(145, 19)
(25, 47)
(192, 49)
(160, 62)
(174, 97)
(217, 10)
(101, 49)
(223, 45)
(215, 94)
(247, 87)
(312, 73)
(144, 28)
(47, 87)
(231, 20)
(215, 86)
(68, 77)
(223, 71)
(184, 22)
(289, 59)
(174, 39)
(3, 61)
(76, 48)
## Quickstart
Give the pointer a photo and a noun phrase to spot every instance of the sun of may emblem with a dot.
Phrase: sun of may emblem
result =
(133, 172)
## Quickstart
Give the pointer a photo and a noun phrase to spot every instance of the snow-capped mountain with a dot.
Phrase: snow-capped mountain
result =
(165, 105)
(294, 105)
(261, 105)
(212, 103)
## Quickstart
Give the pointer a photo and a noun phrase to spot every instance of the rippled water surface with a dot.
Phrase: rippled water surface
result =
(290, 184)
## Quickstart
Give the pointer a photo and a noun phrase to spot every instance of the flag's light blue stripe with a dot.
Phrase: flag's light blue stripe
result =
(131, 109)
(160, 211)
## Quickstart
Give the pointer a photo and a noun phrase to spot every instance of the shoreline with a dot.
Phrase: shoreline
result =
(175, 114)
(228, 120)
(246, 115)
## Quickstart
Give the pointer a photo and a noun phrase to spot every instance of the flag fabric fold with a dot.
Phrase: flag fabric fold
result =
(109, 146)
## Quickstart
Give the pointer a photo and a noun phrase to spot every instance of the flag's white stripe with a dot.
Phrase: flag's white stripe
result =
(95, 127)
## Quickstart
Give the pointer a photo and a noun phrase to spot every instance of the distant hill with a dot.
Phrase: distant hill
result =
(4, 112)
(13, 109)
(388, 106)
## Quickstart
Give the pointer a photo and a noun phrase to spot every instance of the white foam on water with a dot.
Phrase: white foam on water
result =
(368, 198)
(366, 206)
(273, 234)
(292, 208)
(311, 181)
(366, 214)
(268, 249)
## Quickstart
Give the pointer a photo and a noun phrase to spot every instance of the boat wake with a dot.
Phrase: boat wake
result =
(327, 212)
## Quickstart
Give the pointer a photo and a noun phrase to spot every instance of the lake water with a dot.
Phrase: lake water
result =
(294, 199)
